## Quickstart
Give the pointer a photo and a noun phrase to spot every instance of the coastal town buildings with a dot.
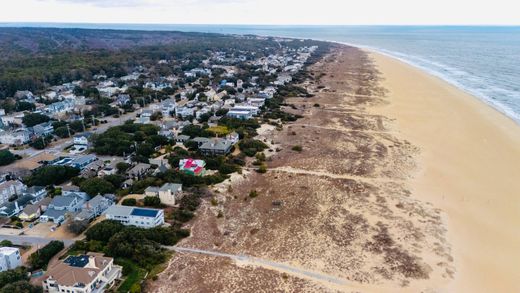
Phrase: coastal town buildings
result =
(135, 216)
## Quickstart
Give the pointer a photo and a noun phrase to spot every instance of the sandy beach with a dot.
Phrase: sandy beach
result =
(403, 183)
(469, 164)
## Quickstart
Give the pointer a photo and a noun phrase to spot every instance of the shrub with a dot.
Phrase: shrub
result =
(253, 194)
(6, 157)
(102, 231)
(297, 148)
(77, 227)
(262, 169)
(152, 201)
(10, 276)
(42, 256)
(6, 243)
(129, 202)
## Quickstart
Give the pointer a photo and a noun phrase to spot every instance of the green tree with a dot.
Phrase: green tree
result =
(122, 167)
(21, 287)
(77, 227)
(6, 157)
(62, 132)
(25, 106)
(95, 186)
(102, 231)
(32, 119)
(152, 201)
(11, 276)
(6, 243)
(129, 202)
(42, 256)
(51, 175)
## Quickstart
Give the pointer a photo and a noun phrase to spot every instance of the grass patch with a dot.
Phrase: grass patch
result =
(133, 274)
(220, 130)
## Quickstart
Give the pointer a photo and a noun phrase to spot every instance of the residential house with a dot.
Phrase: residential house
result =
(138, 171)
(10, 258)
(81, 274)
(9, 209)
(60, 107)
(182, 138)
(93, 208)
(123, 99)
(10, 188)
(168, 193)
(184, 111)
(254, 110)
(82, 162)
(200, 140)
(168, 106)
(135, 216)
(216, 146)
(15, 137)
(243, 115)
(233, 137)
(36, 192)
(43, 129)
(63, 204)
(82, 139)
(33, 211)
(192, 167)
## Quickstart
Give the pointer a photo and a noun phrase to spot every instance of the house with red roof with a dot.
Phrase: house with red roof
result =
(192, 167)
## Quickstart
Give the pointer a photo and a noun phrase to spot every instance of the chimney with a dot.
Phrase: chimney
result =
(16, 205)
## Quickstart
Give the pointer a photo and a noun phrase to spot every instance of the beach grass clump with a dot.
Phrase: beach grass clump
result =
(297, 148)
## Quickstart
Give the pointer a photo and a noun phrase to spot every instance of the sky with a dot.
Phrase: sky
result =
(311, 12)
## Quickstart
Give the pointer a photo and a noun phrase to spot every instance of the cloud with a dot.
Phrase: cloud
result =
(146, 3)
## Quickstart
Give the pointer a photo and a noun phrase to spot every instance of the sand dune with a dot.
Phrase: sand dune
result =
(469, 167)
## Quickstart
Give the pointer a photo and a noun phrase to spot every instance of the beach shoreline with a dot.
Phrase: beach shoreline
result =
(469, 154)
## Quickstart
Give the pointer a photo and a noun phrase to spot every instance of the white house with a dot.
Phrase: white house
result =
(135, 216)
(9, 258)
(244, 115)
(10, 188)
(81, 274)
(16, 137)
(168, 106)
(82, 139)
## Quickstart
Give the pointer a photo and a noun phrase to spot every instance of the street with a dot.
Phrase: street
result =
(32, 240)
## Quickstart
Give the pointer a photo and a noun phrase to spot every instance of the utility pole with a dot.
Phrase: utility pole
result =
(68, 129)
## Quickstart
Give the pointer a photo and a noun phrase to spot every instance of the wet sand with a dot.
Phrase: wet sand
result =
(469, 167)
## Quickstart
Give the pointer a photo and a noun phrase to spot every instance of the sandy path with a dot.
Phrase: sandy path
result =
(470, 162)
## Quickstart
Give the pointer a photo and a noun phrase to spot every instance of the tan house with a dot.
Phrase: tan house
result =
(34, 211)
(82, 274)
(168, 193)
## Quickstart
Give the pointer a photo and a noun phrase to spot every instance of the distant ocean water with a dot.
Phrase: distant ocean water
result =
(481, 60)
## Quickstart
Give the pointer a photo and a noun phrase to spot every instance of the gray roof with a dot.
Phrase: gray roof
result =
(216, 144)
(31, 209)
(174, 187)
(200, 139)
(85, 214)
(119, 210)
(152, 189)
(98, 200)
(139, 168)
(34, 189)
(54, 214)
(62, 201)
(182, 136)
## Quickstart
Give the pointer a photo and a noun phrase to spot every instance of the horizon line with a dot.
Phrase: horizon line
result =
(2, 23)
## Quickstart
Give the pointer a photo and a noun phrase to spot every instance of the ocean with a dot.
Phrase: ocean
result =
(481, 60)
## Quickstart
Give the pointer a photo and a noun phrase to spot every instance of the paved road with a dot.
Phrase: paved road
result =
(300, 272)
(33, 240)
